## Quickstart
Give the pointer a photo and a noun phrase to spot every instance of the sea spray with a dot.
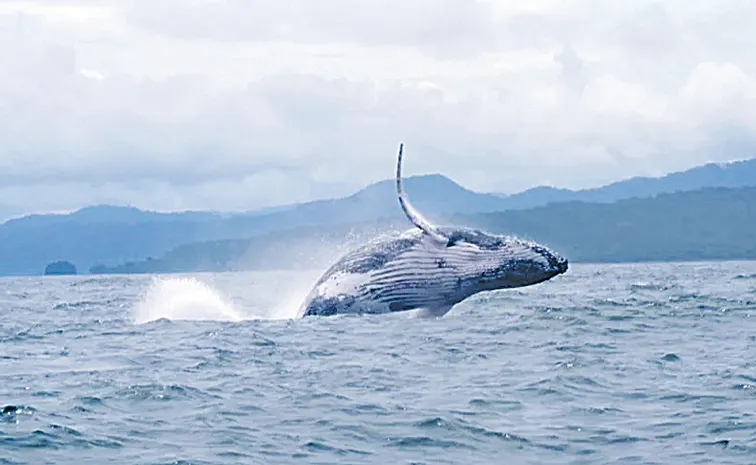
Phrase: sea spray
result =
(189, 298)
(282, 298)
(183, 298)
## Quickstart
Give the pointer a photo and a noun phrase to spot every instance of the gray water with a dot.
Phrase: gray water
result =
(608, 364)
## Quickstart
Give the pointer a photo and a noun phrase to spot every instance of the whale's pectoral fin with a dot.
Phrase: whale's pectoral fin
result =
(412, 214)
(433, 312)
(452, 241)
(328, 306)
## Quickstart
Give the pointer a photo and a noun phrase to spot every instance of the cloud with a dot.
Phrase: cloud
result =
(242, 104)
(440, 27)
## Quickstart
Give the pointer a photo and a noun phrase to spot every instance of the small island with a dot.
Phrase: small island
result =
(60, 268)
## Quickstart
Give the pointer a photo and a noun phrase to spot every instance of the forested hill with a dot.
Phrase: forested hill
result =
(708, 224)
(731, 175)
(713, 223)
(111, 236)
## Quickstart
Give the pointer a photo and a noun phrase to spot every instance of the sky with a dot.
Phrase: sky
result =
(241, 104)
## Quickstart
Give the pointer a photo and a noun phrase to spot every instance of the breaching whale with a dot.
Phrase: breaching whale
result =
(428, 268)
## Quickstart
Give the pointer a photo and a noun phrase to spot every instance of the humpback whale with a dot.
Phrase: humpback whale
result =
(428, 268)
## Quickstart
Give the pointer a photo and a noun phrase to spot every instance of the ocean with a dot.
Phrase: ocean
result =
(608, 364)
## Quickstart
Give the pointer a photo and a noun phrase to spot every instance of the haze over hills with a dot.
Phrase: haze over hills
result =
(706, 224)
(109, 236)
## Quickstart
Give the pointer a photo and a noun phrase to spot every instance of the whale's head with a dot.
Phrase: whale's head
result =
(495, 261)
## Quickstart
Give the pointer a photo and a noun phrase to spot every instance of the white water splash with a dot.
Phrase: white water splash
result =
(282, 298)
(188, 298)
(183, 299)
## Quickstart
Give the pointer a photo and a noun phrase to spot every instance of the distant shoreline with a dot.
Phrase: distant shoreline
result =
(315, 270)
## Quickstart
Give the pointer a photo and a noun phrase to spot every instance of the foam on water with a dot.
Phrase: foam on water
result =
(189, 298)
(607, 364)
(183, 299)
(285, 299)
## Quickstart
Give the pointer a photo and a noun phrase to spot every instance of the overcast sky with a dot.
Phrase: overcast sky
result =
(240, 104)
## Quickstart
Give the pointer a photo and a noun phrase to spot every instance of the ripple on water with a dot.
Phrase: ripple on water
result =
(608, 364)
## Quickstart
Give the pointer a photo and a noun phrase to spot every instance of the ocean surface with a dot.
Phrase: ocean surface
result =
(608, 364)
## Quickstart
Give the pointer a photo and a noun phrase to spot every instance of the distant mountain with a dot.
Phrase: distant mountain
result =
(109, 235)
(107, 214)
(435, 195)
(705, 224)
(708, 224)
(735, 174)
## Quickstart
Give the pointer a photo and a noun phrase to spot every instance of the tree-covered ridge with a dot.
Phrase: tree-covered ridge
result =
(107, 236)
(699, 225)
(708, 224)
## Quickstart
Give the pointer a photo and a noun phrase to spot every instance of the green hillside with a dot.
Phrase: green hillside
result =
(708, 224)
